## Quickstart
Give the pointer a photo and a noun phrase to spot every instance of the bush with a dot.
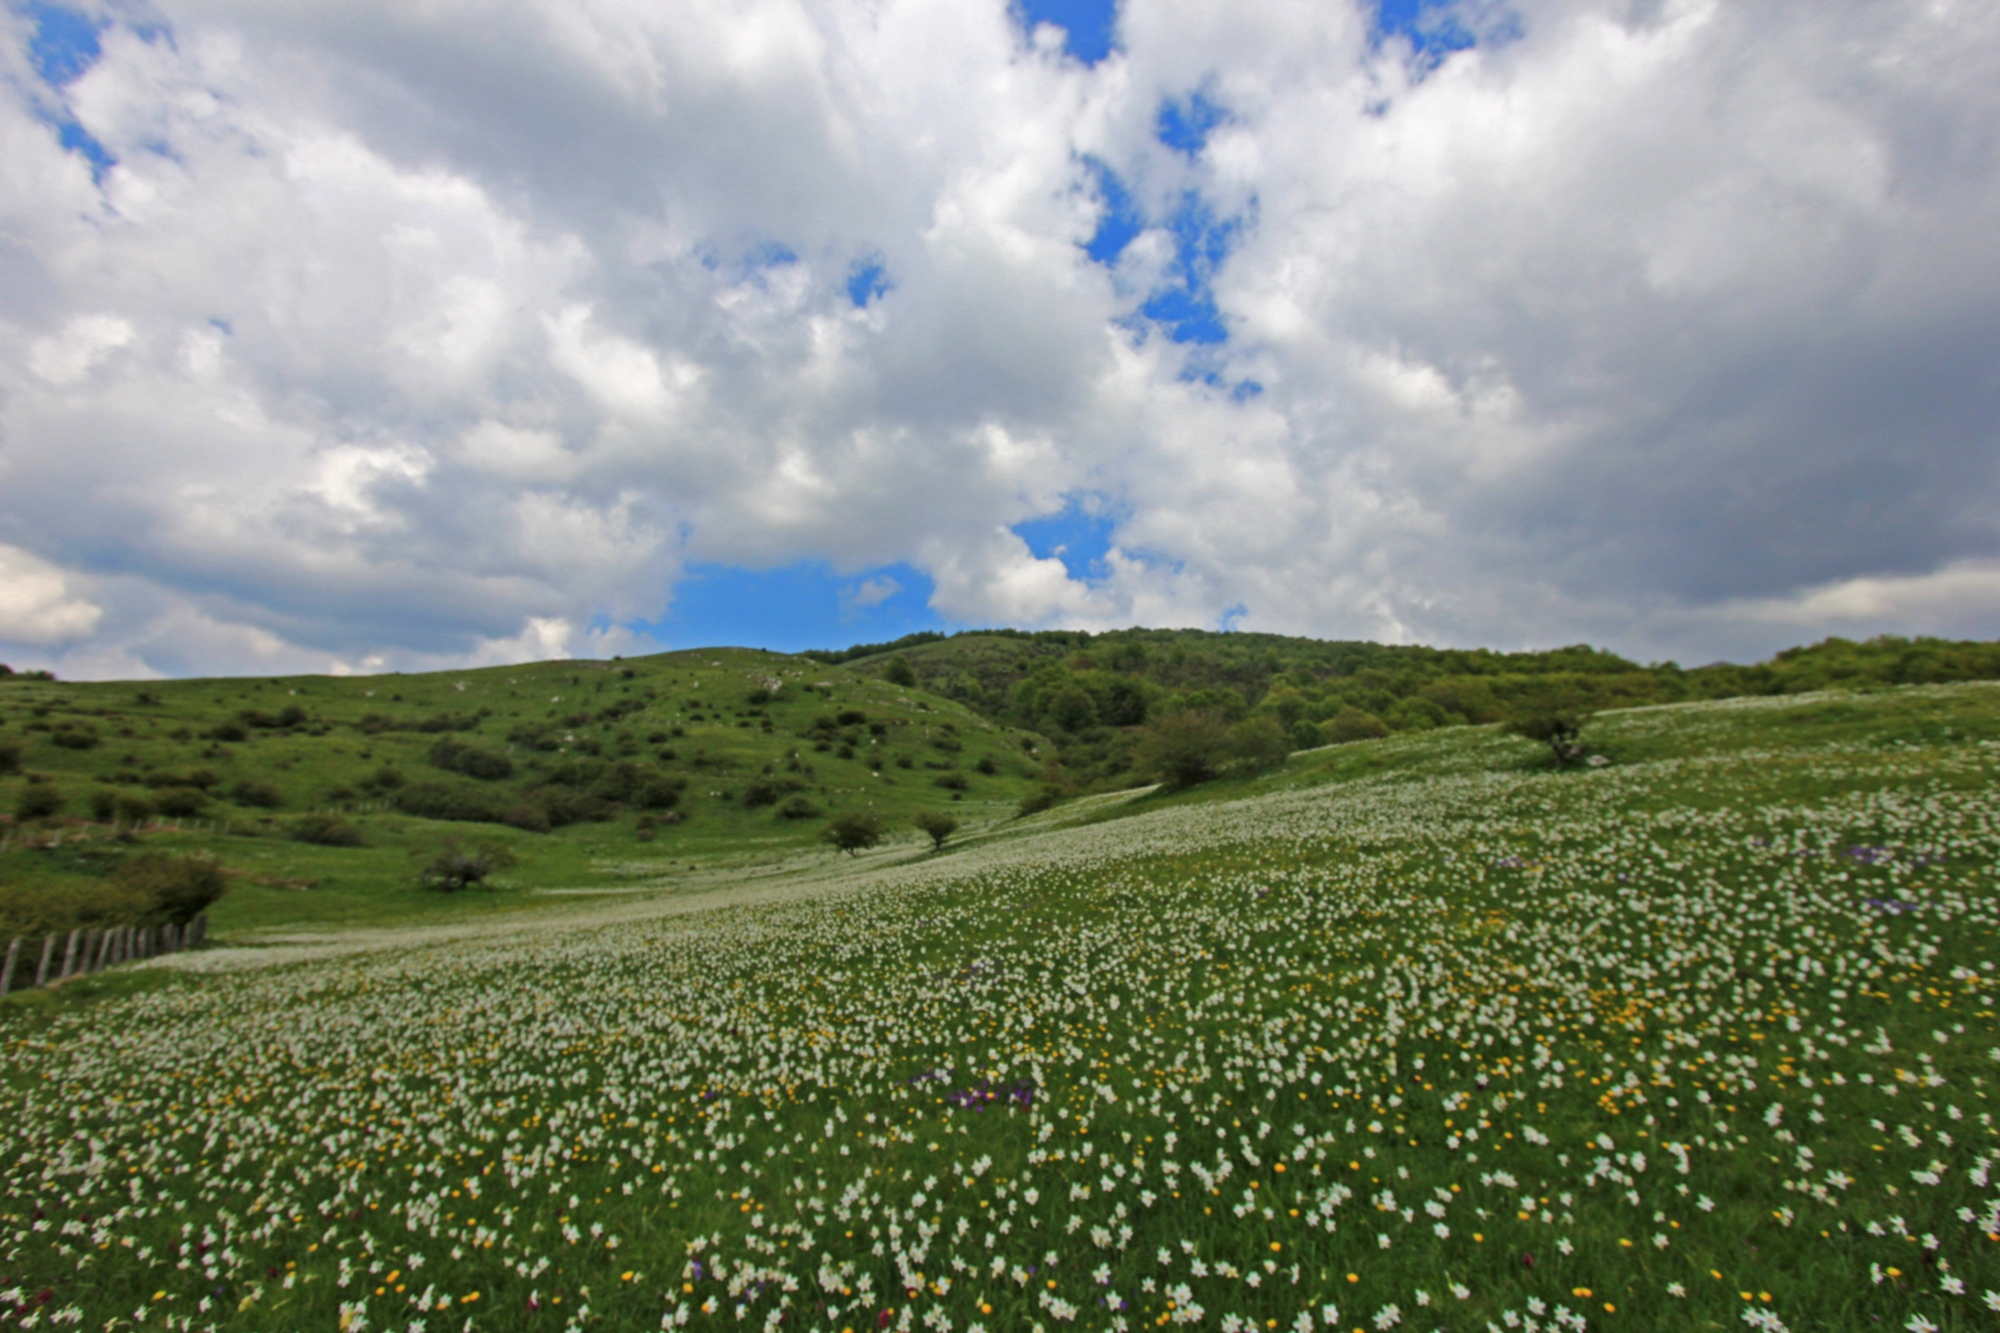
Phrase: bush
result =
(798, 808)
(457, 867)
(75, 736)
(228, 731)
(180, 802)
(104, 805)
(449, 801)
(1351, 724)
(456, 756)
(41, 800)
(1038, 800)
(176, 888)
(900, 672)
(987, 765)
(325, 831)
(535, 736)
(135, 809)
(937, 826)
(854, 833)
(951, 782)
(10, 758)
(257, 795)
(1307, 735)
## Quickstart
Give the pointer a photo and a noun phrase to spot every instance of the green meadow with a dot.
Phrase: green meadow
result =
(1414, 1032)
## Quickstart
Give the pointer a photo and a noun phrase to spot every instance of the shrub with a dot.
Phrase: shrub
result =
(536, 736)
(449, 801)
(900, 672)
(761, 793)
(10, 758)
(456, 756)
(1351, 724)
(180, 802)
(103, 805)
(257, 795)
(457, 867)
(854, 832)
(134, 809)
(1307, 735)
(850, 717)
(986, 765)
(176, 888)
(324, 830)
(1036, 801)
(41, 800)
(798, 808)
(74, 736)
(937, 826)
(228, 731)
(952, 782)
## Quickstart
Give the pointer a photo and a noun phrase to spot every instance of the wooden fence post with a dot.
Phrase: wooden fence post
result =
(7, 970)
(48, 952)
(69, 953)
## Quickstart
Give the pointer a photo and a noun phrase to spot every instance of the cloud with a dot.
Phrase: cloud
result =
(370, 333)
(36, 603)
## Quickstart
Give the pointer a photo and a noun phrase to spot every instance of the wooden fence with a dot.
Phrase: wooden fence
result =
(93, 951)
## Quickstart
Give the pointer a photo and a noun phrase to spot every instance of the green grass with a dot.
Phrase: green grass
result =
(1698, 1039)
(688, 716)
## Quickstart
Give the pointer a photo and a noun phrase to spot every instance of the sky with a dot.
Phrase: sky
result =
(357, 335)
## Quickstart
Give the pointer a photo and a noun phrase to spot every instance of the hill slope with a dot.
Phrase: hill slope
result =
(1414, 1032)
(573, 766)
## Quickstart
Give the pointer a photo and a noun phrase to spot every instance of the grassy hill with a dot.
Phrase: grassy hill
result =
(1414, 1032)
(1089, 693)
(324, 795)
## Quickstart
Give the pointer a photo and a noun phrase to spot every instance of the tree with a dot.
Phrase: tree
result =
(1185, 748)
(1259, 743)
(1072, 708)
(900, 672)
(854, 833)
(938, 826)
(1559, 729)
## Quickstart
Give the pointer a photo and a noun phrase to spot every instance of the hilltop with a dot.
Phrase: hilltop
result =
(1090, 692)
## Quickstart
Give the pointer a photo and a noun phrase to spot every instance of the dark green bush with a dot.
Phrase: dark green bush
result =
(324, 830)
(536, 736)
(798, 807)
(180, 802)
(176, 888)
(257, 795)
(228, 731)
(103, 805)
(456, 756)
(10, 758)
(952, 782)
(41, 800)
(75, 736)
(449, 801)
(455, 867)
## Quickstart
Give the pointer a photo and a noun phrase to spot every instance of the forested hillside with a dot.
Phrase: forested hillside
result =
(1092, 691)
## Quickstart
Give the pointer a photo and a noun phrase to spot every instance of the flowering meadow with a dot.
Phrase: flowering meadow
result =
(1703, 1038)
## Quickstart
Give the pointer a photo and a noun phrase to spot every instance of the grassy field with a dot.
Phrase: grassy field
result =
(641, 766)
(1411, 1033)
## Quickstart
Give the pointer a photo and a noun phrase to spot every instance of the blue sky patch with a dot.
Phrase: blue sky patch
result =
(1185, 123)
(64, 44)
(1090, 27)
(1121, 220)
(806, 605)
(867, 280)
(1433, 28)
(1079, 536)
